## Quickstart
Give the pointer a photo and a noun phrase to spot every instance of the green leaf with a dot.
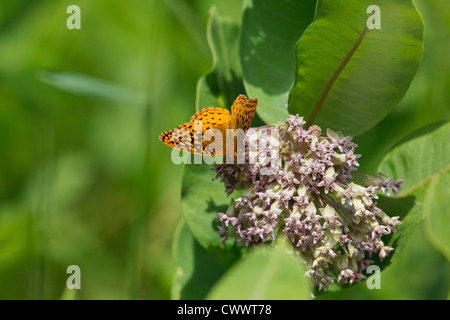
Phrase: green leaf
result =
(438, 219)
(270, 31)
(201, 199)
(197, 270)
(85, 85)
(349, 77)
(423, 161)
(223, 82)
(267, 273)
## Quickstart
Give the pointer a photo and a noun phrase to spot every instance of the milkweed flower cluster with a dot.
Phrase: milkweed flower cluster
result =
(303, 184)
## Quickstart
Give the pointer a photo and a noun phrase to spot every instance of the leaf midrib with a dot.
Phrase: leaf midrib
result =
(334, 77)
(416, 186)
(423, 182)
(261, 288)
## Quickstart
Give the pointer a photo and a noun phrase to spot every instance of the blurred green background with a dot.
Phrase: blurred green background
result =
(84, 179)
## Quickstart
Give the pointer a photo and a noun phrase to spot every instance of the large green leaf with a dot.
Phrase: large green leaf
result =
(438, 220)
(267, 273)
(423, 161)
(349, 77)
(201, 200)
(197, 270)
(223, 82)
(270, 31)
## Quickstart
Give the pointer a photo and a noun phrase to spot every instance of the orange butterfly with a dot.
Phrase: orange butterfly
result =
(196, 136)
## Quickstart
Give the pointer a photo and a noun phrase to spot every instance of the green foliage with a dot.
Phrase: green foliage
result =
(438, 213)
(197, 270)
(223, 83)
(201, 199)
(267, 273)
(268, 59)
(350, 77)
(89, 86)
(424, 159)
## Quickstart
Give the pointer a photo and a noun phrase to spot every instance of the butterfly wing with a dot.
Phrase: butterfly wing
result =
(242, 112)
(212, 118)
(202, 135)
(185, 138)
(214, 122)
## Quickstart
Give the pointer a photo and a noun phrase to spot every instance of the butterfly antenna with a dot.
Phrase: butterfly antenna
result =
(217, 173)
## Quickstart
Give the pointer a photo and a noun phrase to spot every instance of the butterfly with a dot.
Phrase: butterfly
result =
(206, 132)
